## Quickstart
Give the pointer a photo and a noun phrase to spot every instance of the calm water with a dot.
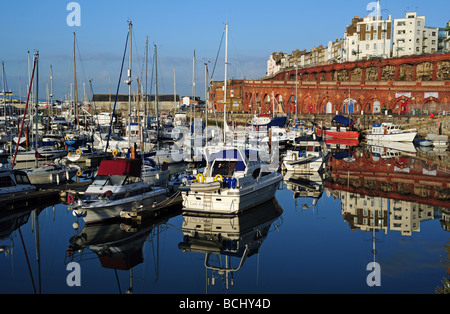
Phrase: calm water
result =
(292, 245)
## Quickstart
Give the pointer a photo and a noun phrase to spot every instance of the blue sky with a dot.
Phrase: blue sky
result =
(256, 29)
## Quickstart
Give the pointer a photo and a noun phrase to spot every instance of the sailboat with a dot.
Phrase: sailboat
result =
(118, 185)
(48, 173)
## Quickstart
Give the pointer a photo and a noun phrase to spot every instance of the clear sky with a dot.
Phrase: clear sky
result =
(177, 27)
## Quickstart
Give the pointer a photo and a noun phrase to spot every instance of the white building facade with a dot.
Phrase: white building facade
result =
(368, 38)
(412, 37)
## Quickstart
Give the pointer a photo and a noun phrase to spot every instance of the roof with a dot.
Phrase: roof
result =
(343, 120)
(121, 167)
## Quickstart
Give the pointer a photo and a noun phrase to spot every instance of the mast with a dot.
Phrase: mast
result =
(146, 95)
(128, 82)
(36, 107)
(51, 90)
(225, 84)
(156, 97)
(4, 90)
(174, 87)
(75, 82)
(193, 91)
(206, 101)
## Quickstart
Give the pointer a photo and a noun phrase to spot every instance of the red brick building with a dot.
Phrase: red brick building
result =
(407, 85)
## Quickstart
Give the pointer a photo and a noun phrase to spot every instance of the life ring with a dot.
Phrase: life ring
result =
(200, 178)
(218, 178)
(66, 137)
(79, 173)
(79, 152)
(70, 198)
(108, 194)
(114, 152)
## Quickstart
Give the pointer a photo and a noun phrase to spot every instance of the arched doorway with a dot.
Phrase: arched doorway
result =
(329, 107)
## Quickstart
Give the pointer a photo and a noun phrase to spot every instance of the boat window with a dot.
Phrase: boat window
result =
(22, 178)
(255, 173)
(100, 180)
(6, 181)
(130, 180)
(224, 168)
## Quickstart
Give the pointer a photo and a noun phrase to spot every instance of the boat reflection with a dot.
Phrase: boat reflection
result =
(224, 238)
(117, 244)
(309, 186)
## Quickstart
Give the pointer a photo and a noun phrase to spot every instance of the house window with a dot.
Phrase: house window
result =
(367, 36)
(367, 27)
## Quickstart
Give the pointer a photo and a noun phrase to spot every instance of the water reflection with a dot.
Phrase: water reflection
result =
(118, 244)
(307, 188)
(385, 195)
(228, 241)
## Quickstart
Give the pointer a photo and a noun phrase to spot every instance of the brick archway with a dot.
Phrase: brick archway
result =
(308, 104)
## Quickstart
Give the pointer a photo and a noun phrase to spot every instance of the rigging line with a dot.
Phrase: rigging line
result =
(117, 92)
(28, 262)
(217, 56)
(140, 66)
(118, 282)
(24, 112)
(81, 61)
(237, 54)
(4, 94)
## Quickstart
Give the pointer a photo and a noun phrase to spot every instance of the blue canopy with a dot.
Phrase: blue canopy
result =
(342, 120)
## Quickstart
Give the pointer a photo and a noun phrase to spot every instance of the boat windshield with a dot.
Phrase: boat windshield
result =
(102, 180)
(224, 167)
(6, 181)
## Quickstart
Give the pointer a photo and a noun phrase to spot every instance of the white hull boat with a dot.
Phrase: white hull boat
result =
(51, 174)
(14, 182)
(390, 132)
(307, 156)
(232, 183)
(117, 187)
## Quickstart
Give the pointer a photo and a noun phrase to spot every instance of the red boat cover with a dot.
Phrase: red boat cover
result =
(121, 167)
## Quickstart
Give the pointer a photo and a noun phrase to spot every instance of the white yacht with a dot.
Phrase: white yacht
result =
(51, 174)
(14, 182)
(387, 131)
(154, 175)
(117, 187)
(308, 155)
(233, 181)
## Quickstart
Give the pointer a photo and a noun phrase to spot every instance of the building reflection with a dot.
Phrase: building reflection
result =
(228, 241)
(387, 188)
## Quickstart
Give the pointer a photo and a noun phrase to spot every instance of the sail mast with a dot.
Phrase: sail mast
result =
(36, 107)
(156, 98)
(129, 86)
(225, 84)
(75, 82)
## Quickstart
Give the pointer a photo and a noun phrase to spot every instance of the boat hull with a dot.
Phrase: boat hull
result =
(308, 166)
(100, 211)
(348, 135)
(230, 201)
(397, 137)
